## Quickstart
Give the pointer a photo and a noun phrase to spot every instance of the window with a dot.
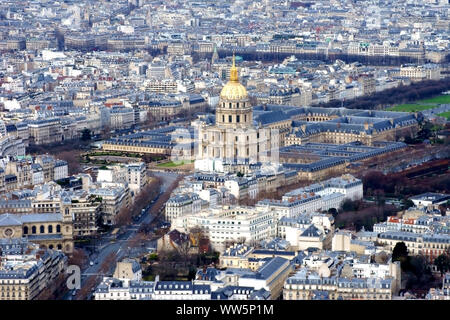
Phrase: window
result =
(33, 229)
(42, 229)
(230, 119)
(237, 118)
(58, 228)
(25, 230)
(50, 229)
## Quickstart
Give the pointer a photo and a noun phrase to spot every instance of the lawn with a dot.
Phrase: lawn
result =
(420, 106)
(445, 114)
(409, 107)
(172, 164)
(445, 98)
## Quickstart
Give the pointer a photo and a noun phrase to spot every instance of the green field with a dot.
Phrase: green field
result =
(409, 107)
(172, 164)
(445, 114)
(422, 104)
(439, 99)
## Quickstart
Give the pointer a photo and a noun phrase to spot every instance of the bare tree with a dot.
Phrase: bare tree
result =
(72, 158)
(78, 257)
(84, 292)
(124, 217)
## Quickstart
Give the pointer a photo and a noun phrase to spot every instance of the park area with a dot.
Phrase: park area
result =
(424, 105)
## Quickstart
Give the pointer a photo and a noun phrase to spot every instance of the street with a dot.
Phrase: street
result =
(108, 245)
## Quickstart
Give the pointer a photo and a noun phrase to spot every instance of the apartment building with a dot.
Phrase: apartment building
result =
(113, 200)
(133, 174)
(270, 276)
(121, 118)
(86, 211)
(116, 289)
(229, 224)
(421, 72)
(181, 290)
(431, 245)
(26, 270)
(303, 286)
(45, 131)
(181, 205)
(245, 257)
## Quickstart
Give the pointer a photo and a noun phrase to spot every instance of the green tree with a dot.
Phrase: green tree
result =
(86, 134)
(400, 253)
(333, 212)
(350, 205)
(442, 263)
(407, 204)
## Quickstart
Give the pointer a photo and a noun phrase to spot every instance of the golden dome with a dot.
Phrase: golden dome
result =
(233, 90)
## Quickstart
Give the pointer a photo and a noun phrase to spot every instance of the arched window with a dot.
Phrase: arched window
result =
(50, 246)
(41, 229)
(237, 105)
(25, 230)
(58, 228)
(50, 229)
(33, 229)
(230, 105)
(59, 246)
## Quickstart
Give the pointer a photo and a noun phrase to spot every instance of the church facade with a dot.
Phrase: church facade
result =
(234, 138)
